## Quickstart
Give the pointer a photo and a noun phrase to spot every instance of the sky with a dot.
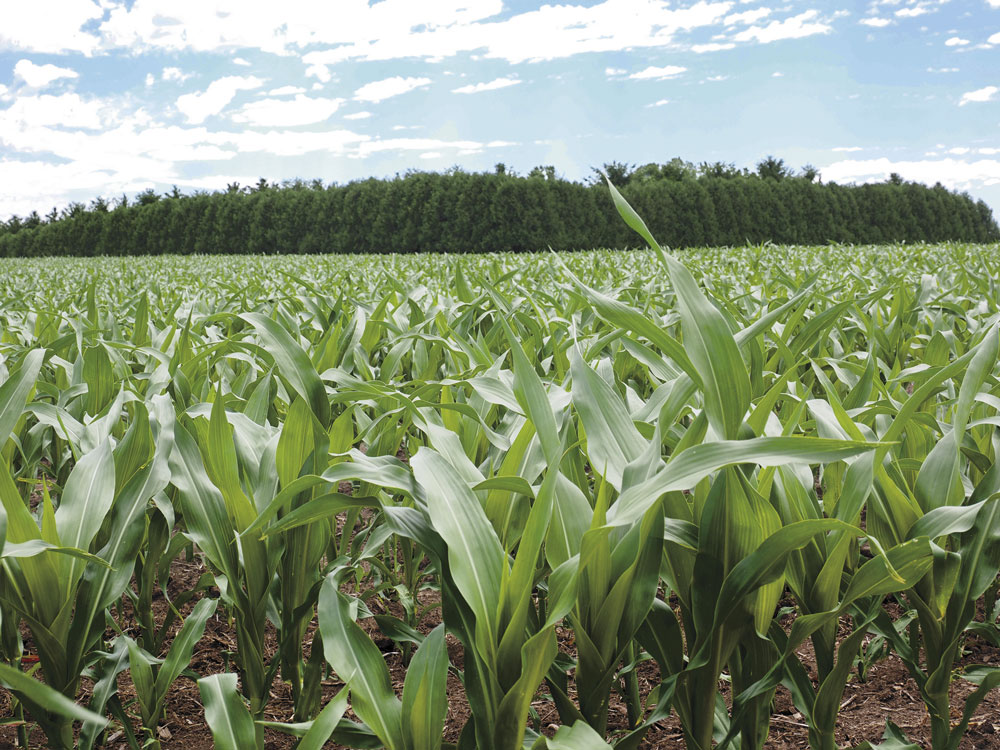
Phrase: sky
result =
(112, 97)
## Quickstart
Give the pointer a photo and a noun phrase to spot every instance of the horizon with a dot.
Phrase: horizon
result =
(108, 97)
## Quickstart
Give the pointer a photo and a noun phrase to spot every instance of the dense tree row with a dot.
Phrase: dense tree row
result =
(684, 205)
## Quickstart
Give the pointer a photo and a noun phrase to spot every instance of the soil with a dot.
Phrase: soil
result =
(888, 692)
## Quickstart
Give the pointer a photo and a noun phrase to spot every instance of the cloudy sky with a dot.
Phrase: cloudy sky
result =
(104, 97)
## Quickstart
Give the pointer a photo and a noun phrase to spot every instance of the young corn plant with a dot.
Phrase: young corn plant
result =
(729, 581)
(62, 574)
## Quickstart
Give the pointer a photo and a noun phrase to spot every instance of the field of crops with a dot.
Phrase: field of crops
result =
(577, 500)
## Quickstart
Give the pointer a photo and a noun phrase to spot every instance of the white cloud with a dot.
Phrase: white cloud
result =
(40, 76)
(280, 28)
(199, 106)
(717, 78)
(53, 26)
(377, 91)
(956, 41)
(65, 110)
(302, 110)
(175, 74)
(795, 27)
(241, 61)
(322, 72)
(875, 22)
(984, 94)
(912, 12)
(150, 79)
(3, 91)
(711, 47)
(952, 173)
(550, 32)
(777, 74)
(358, 116)
(942, 70)
(994, 39)
(385, 30)
(659, 74)
(615, 72)
(658, 103)
(286, 90)
(497, 83)
(848, 148)
(747, 17)
(367, 148)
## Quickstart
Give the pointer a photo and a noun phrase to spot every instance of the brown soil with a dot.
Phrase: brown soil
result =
(888, 693)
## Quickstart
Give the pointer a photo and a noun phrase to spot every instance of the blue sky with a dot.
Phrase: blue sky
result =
(104, 97)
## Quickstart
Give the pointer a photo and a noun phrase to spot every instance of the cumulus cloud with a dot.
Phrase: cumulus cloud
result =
(747, 17)
(133, 151)
(302, 110)
(386, 30)
(615, 72)
(550, 32)
(321, 72)
(985, 94)
(914, 12)
(795, 27)
(377, 91)
(711, 47)
(876, 22)
(848, 148)
(358, 116)
(658, 74)
(497, 83)
(286, 91)
(658, 103)
(65, 110)
(994, 39)
(942, 70)
(198, 107)
(175, 74)
(956, 41)
(40, 76)
(54, 26)
(952, 173)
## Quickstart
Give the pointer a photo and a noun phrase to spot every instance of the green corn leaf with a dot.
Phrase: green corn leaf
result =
(15, 390)
(324, 725)
(293, 364)
(579, 736)
(692, 465)
(475, 555)
(359, 663)
(44, 696)
(425, 701)
(226, 714)
(707, 337)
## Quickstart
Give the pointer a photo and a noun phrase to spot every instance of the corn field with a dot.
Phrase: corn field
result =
(533, 476)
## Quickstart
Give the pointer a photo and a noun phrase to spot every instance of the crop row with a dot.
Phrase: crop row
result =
(569, 468)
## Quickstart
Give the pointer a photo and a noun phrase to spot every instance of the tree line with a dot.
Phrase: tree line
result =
(458, 211)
